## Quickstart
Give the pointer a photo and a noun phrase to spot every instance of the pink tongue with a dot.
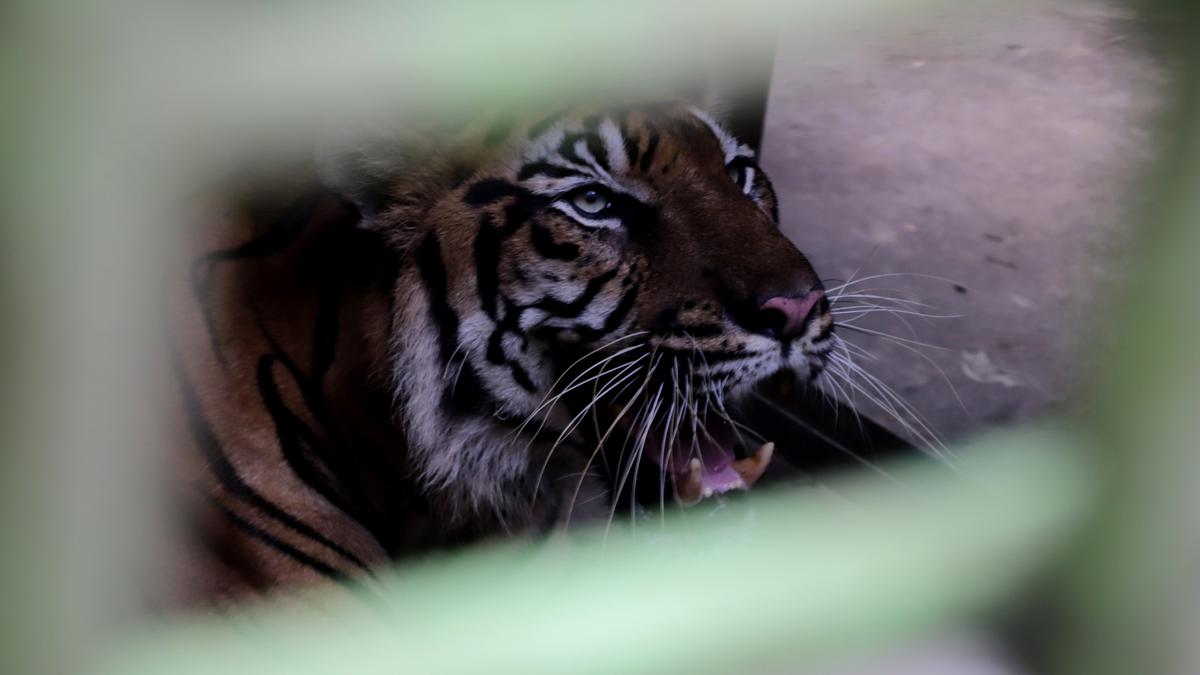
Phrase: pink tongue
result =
(722, 480)
(717, 461)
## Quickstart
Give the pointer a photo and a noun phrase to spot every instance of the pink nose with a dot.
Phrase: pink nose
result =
(787, 318)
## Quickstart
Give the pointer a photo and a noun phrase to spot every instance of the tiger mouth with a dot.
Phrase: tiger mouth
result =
(703, 462)
(702, 451)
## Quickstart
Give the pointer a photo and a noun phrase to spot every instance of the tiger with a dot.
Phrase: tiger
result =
(503, 329)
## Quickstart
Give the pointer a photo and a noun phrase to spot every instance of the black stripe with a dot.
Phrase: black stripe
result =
(332, 453)
(521, 377)
(226, 474)
(294, 437)
(495, 350)
(816, 368)
(651, 147)
(595, 145)
(488, 241)
(433, 275)
(547, 169)
(588, 334)
(496, 355)
(510, 323)
(278, 236)
(567, 149)
(465, 393)
(543, 242)
(490, 191)
(631, 147)
(575, 307)
(621, 310)
(261, 535)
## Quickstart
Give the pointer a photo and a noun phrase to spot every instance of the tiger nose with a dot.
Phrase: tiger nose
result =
(786, 318)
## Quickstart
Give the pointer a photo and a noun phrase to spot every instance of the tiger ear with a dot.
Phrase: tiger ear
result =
(363, 171)
(712, 97)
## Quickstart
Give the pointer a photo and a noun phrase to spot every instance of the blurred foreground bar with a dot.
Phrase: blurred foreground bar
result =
(780, 577)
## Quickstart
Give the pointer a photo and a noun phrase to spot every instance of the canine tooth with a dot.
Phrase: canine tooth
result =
(692, 489)
(752, 468)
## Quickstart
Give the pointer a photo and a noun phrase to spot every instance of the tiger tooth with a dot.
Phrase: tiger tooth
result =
(691, 491)
(752, 468)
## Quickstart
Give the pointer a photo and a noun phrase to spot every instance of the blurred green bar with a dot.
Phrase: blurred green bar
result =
(775, 579)
(1128, 598)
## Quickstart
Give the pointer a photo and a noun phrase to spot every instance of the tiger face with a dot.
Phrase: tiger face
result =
(620, 267)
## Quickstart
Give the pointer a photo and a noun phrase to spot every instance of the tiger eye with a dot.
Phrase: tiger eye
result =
(591, 201)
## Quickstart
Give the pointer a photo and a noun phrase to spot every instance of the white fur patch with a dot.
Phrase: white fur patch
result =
(614, 145)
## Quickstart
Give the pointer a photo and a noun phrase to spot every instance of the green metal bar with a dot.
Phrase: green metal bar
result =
(779, 578)
(1129, 597)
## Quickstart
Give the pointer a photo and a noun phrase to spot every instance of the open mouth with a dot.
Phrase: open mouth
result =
(707, 459)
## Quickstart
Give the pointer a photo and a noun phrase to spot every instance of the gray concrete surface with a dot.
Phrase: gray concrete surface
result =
(998, 150)
(1001, 152)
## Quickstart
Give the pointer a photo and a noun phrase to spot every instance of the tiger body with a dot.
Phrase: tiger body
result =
(451, 338)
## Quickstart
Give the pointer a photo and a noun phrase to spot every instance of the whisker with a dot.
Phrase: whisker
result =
(925, 357)
(458, 375)
(635, 398)
(875, 294)
(889, 408)
(860, 314)
(886, 398)
(634, 460)
(890, 275)
(889, 336)
(847, 394)
(548, 402)
(621, 375)
(626, 375)
(595, 378)
(450, 361)
(864, 309)
(545, 419)
(798, 421)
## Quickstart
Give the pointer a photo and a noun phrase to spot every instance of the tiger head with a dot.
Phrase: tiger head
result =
(620, 267)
